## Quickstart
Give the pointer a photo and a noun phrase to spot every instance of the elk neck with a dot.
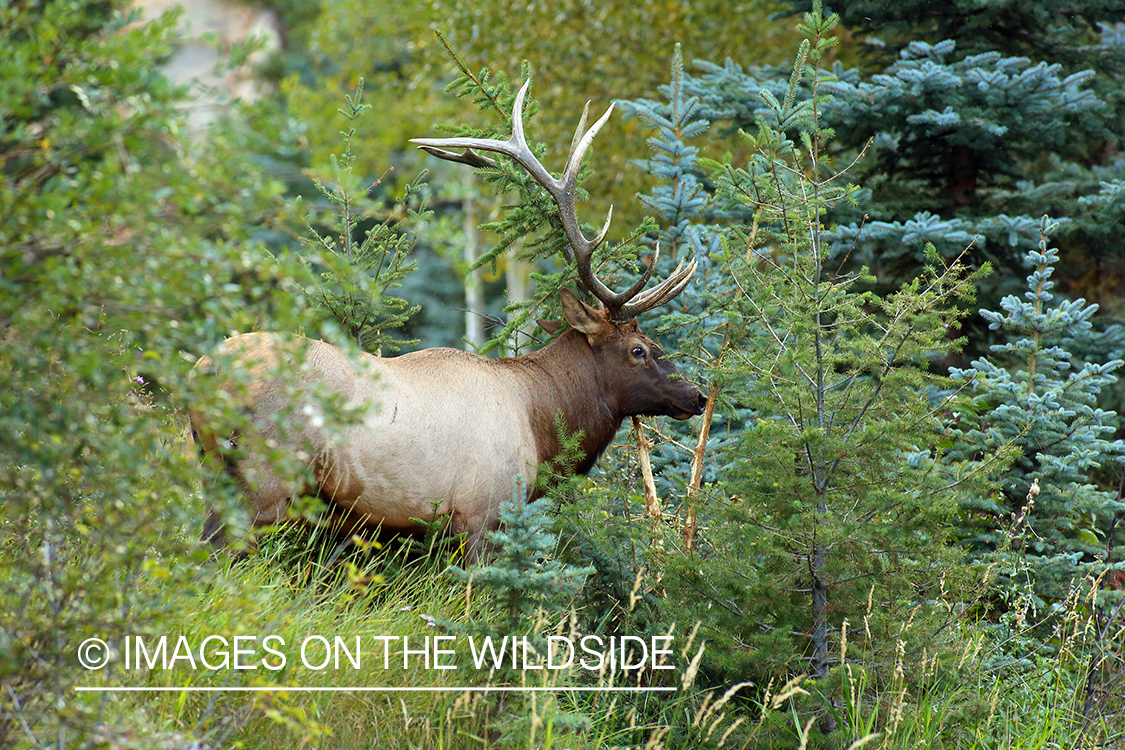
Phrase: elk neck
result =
(564, 377)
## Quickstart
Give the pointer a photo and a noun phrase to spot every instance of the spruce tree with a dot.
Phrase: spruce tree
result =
(830, 505)
(973, 121)
(528, 594)
(363, 260)
(968, 124)
(521, 576)
(691, 224)
(1033, 393)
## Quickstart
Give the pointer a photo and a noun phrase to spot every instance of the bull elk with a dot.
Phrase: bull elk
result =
(443, 430)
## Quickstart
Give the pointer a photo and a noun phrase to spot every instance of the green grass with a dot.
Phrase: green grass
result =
(292, 590)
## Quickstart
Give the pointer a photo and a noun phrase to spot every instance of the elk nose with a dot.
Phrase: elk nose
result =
(701, 401)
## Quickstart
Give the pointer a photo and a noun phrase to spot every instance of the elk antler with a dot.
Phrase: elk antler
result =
(622, 306)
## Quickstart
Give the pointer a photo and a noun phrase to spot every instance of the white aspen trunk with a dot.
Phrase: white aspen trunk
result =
(474, 286)
(517, 274)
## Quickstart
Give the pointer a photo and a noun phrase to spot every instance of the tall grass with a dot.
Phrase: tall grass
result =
(995, 694)
(983, 698)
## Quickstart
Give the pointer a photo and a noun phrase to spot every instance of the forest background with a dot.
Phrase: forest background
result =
(898, 523)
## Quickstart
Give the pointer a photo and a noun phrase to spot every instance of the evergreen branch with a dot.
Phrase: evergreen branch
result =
(478, 81)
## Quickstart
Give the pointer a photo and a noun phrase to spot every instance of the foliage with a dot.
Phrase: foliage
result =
(612, 52)
(360, 274)
(836, 477)
(523, 595)
(1032, 393)
(978, 108)
(804, 524)
(521, 576)
(929, 463)
(328, 52)
(620, 46)
(971, 132)
(1037, 28)
(959, 146)
(331, 49)
(126, 251)
(608, 52)
(976, 698)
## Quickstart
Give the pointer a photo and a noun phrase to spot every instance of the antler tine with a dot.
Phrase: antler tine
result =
(470, 157)
(515, 147)
(615, 301)
(578, 133)
(663, 292)
(580, 145)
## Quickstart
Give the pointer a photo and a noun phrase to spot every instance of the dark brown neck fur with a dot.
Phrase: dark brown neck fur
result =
(563, 377)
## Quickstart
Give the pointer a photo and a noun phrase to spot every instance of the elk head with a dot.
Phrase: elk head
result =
(631, 365)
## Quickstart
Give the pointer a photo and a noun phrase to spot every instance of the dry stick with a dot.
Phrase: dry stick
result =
(697, 464)
(696, 477)
(652, 501)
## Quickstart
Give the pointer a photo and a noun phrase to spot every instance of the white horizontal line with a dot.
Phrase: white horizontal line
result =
(282, 688)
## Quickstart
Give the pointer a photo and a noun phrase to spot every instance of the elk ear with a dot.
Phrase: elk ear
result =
(579, 314)
(550, 326)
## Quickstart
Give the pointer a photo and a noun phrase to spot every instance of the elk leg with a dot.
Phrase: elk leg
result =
(214, 530)
(478, 547)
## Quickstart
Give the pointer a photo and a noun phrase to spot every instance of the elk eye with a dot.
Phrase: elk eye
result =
(638, 352)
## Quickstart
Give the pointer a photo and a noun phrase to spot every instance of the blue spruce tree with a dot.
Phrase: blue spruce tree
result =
(1035, 395)
(691, 224)
(972, 121)
(995, 113)
(521, 575)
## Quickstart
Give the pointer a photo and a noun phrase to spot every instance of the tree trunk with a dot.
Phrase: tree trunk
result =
(517, 274)
(820, 659)
(474, 286)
